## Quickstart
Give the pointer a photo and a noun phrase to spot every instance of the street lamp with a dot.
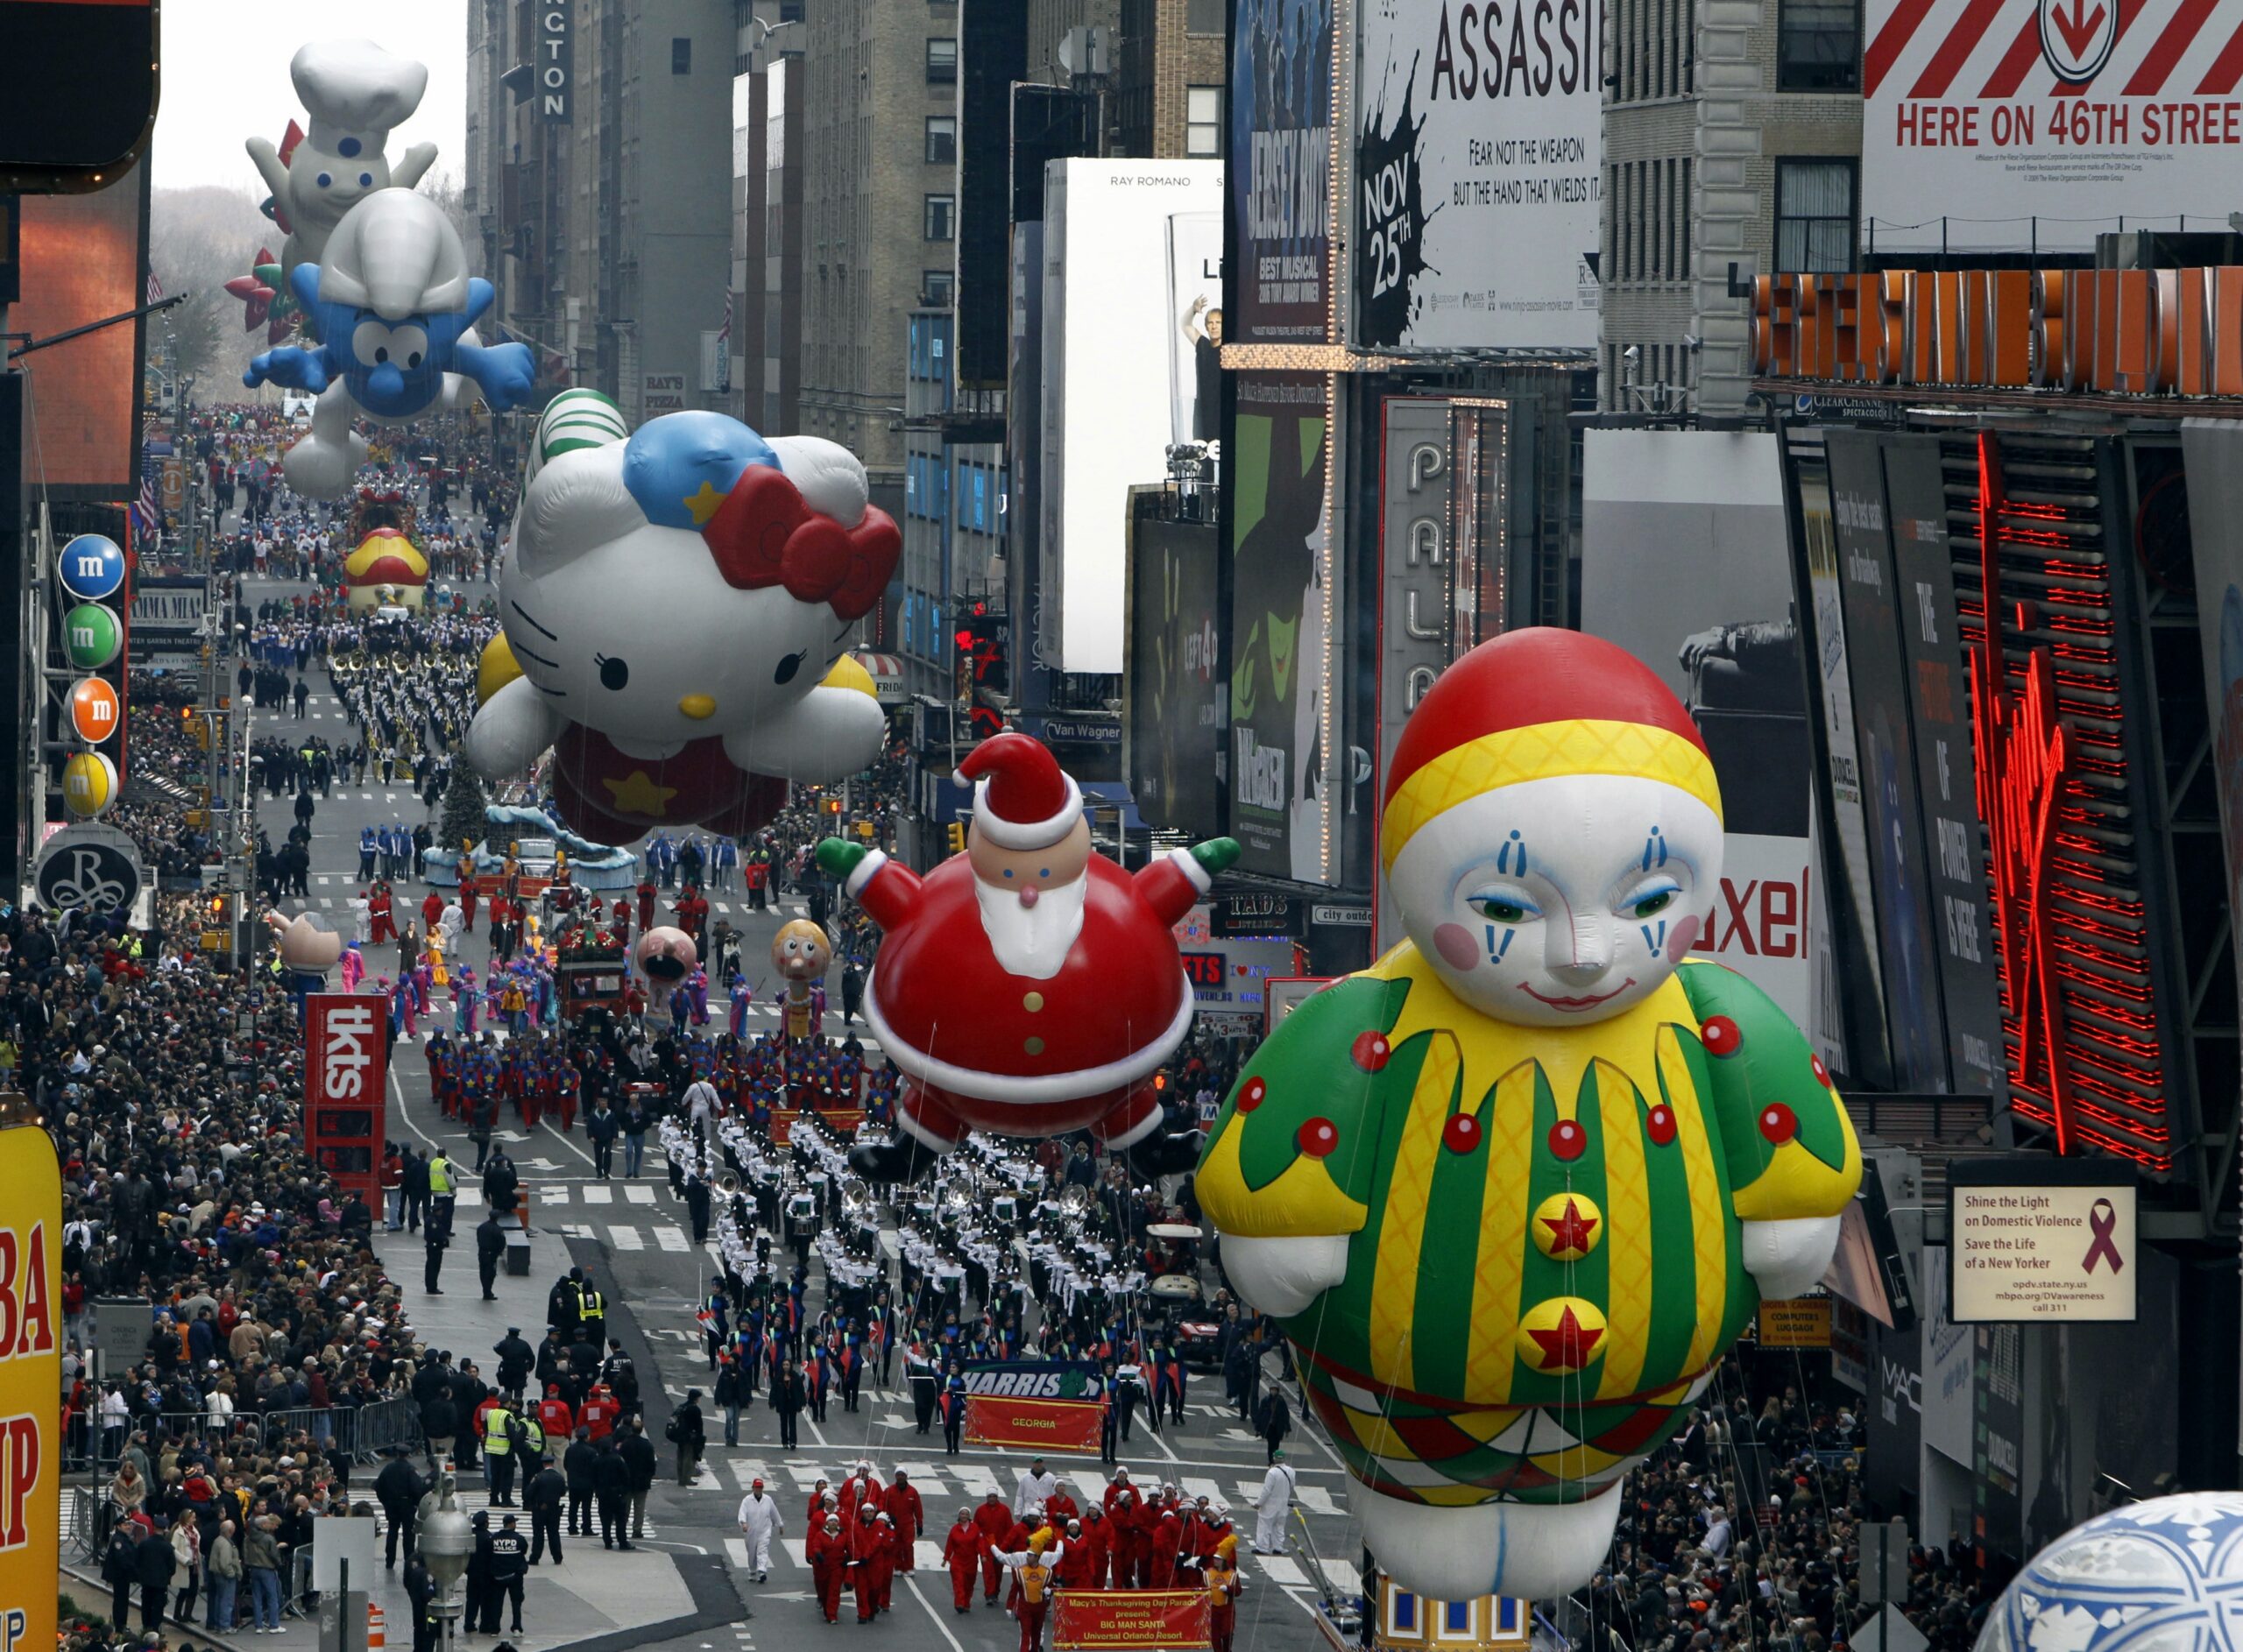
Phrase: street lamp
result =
(446, 1541)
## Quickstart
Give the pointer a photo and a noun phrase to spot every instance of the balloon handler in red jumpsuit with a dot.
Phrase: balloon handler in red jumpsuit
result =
(1027, 987)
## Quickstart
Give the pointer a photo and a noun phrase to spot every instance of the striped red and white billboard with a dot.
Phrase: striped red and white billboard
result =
(2043, 122)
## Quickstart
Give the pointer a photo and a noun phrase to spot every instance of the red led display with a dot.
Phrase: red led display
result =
(2079, 1008)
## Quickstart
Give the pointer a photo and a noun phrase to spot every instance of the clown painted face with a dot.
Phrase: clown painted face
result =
(1563, 899)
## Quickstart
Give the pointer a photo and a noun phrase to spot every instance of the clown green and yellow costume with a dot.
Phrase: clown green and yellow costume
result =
(1547, 1257)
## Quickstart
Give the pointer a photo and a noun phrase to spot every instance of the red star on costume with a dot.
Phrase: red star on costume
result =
(1569, 1235)
(1566, 1345)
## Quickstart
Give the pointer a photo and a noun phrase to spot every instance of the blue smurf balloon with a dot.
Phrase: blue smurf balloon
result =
(394, 310)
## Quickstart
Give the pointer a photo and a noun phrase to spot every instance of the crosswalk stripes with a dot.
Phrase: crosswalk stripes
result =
(670, 1238)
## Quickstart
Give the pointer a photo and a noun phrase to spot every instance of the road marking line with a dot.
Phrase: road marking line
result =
(625, 1238)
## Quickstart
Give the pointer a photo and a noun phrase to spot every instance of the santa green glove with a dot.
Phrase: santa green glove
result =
(840, 858)
(1217, 854)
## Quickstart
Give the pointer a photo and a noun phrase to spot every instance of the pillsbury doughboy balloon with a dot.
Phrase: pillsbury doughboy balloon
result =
(676, 608)
(393, 306)
(355, 92)
(1513, 1189)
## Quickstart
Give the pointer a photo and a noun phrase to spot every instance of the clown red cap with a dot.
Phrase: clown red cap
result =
(1022, 798)
(1534, 704)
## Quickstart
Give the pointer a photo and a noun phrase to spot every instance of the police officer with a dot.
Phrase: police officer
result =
(438, 1236)
(547, 1490)
(490, 1250)
(509, 1563)
(499, 1426)
(398, 1489)
(420, 1591)
(591, 1312)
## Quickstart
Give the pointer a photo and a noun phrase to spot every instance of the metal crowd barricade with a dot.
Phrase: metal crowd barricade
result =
(366, 1432)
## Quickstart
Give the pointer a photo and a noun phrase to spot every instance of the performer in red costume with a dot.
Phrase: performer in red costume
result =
(1028, 987)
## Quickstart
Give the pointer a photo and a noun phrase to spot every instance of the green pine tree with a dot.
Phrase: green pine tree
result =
(464, 801)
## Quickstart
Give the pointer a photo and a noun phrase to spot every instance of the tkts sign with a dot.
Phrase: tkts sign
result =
(2105, 332)
(346, 1080)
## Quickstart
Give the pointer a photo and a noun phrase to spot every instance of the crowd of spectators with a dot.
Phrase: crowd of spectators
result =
(1745, 1531)
(174, 1102)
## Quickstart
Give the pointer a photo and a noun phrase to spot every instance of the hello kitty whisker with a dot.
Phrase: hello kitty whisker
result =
(553, 636)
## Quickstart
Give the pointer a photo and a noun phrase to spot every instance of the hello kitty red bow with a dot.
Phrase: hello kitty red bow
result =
(763, 534)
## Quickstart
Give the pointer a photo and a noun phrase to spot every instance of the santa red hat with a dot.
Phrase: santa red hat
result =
(1022, 798)
(1531, 704)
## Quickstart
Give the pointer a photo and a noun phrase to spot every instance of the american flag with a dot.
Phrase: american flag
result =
(148, 511)
(155, 288)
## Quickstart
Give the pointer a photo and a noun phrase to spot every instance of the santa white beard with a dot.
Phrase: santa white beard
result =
(1032, 940)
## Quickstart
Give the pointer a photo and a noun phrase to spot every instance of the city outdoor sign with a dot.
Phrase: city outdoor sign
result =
(2103, 332)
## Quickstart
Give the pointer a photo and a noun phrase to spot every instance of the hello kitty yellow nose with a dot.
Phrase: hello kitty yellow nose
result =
(699, 707)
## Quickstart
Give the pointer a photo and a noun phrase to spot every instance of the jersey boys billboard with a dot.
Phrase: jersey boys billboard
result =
(1477, 170)
(2043, 122)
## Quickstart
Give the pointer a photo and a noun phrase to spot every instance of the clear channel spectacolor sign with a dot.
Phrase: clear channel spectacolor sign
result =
(91, 637)
(91, 567)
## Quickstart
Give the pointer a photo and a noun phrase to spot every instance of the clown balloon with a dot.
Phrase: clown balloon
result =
(676, 609)
(1514, 1189)
(1027, 987)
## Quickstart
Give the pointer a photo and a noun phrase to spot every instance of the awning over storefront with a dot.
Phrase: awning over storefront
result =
(886, 672)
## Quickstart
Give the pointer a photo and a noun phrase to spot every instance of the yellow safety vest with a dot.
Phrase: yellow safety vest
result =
(497, 1441)
(591, 1305)
(439, 1175)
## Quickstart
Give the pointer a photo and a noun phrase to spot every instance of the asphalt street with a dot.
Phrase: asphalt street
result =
(634, 1236)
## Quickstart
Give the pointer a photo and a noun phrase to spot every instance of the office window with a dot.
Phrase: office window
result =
(935, 288)
(1818, 46)
(941, 61)
(1815, 215)
(681, 55)
(1203, 17)
(1203, 120)
(942, 140)
(941, 222)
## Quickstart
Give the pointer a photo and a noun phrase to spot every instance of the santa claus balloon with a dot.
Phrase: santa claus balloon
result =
(1028, 987)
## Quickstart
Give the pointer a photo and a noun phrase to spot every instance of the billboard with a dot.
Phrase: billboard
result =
(1478, 170)
(346, 1085)
(1705, 510)
(1230, 972)
(1279, 204)
(83, 258)
(1280, 573)
(556, 66)
(30, 1377)
(1954, 888)
(2039, 123)
(1416, 640)
(2040, 1240)
(1915, 1032)
(1175, 687)
(1111, 286)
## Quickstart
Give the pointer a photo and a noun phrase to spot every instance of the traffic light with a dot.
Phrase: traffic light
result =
(830, 804)
(958, 837)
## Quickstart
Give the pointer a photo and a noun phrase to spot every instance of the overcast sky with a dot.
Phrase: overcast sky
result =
(225, 78)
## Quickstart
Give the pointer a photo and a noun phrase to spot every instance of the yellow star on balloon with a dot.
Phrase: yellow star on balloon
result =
(704, 505)
(639, 795)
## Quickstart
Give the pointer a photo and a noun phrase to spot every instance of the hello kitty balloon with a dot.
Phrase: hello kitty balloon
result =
(678, 606)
